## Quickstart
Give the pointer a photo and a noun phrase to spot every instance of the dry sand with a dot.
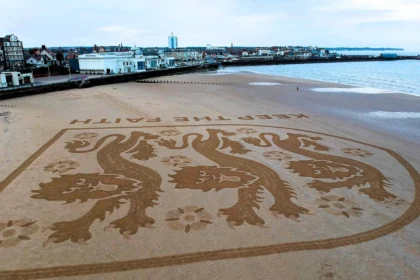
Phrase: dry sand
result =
(214, 180)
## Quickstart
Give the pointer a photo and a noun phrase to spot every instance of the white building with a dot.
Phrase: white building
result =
(214, 48)
(264, 52)
(307, 55)
(35, 61)
(26, 78)
(12, 78)
(112, 63)
(152, 62)
(3, 82)
(172, 41)
(139, 60)
(48, 58)
(170, 62)
(183, 54)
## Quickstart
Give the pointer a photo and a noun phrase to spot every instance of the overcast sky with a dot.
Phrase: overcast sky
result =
(327, 23)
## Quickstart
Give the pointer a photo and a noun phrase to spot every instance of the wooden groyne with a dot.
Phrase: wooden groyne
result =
(188, 83)
(14, 92)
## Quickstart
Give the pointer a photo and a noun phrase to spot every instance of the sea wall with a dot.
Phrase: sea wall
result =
(14, 92)
(306, 61)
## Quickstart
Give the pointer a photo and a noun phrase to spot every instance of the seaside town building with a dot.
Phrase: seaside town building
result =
(153, 59)
(169, 62)
(11, 52)
(35, 61)
(214, 48)
(182, 56)
(172, 41)
(112, 63)
(13, 78)
(264, 52)
(152, 62)
(42, 57)
(3, 81)
(1, 60)
(135, 60)
(71, 54)
(47, 55)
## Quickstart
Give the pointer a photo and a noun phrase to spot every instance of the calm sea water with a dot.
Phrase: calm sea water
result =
(398, 76)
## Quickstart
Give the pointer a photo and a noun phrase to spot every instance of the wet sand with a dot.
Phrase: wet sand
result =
(396, 113)
(69, 161)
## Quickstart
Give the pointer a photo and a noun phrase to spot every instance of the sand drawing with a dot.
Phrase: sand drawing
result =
(328, 166)
(259, 175)
(260, 165)
(122, 180)
(13, 232)
(188, 218)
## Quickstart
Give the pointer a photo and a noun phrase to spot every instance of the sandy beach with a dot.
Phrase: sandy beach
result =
(235, 176)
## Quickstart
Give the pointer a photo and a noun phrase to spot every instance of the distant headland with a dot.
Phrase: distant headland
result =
(364, 49)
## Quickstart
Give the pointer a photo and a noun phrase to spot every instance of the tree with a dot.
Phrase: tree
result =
(60, 57)
(32, 51)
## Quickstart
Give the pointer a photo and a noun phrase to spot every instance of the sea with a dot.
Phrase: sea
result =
(400, 76)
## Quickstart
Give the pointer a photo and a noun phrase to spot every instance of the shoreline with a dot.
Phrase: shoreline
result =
(357, 108)
(322, 82)
(402, 80)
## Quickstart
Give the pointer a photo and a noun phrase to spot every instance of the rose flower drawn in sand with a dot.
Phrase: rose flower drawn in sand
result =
(86, 135)
(61, 166)
(13, 232)
(339, 206)
(246, 130)
(188, 218)
(170, 132)
(357, 152)
(277, 155)
(176, 161)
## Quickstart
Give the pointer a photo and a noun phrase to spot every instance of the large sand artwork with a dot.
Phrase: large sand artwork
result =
(169, 195)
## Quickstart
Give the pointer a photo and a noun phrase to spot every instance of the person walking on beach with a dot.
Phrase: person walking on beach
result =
(297, 88)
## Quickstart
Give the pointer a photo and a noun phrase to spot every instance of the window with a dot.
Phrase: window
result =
(140, 65)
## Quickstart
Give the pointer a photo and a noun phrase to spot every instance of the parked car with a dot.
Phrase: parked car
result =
(80, 78)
